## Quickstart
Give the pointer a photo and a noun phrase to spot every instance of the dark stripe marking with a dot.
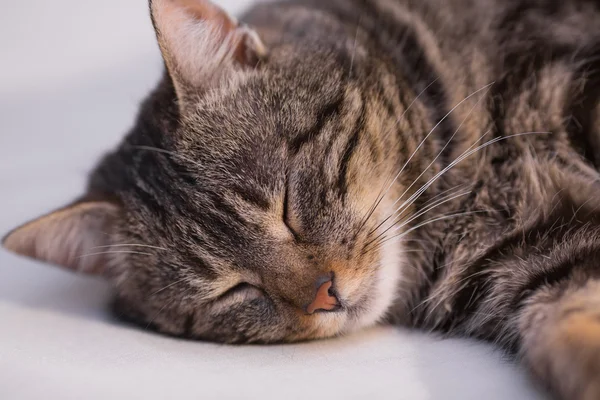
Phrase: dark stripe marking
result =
(325, 115)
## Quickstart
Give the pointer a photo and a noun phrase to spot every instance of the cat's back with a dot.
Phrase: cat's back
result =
(540, 59)
(467, 43)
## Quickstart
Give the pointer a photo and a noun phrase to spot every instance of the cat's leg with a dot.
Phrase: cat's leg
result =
(560, 339)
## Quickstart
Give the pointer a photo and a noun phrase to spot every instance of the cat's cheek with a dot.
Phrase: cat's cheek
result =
(385, 286)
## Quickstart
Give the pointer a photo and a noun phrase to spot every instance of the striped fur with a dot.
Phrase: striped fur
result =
(439, 157)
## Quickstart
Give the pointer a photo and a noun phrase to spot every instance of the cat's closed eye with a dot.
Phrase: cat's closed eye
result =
(241, 292)
(289, 217)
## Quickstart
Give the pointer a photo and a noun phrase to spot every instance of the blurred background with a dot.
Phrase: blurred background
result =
(72, 74)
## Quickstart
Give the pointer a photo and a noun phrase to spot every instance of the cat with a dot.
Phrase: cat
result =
(325, 166)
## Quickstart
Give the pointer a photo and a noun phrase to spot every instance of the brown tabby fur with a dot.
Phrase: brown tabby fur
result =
(270, 170)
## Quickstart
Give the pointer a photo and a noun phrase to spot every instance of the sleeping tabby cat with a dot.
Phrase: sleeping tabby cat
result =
(342, 163)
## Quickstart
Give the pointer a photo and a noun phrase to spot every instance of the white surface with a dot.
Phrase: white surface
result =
(71, 76)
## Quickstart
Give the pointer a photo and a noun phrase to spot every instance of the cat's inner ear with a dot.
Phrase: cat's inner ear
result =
(200, 42)
(75, 237)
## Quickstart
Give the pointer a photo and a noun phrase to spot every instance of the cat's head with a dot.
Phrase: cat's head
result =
(242, 206)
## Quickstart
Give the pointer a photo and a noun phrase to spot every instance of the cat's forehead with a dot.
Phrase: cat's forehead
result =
(265, 101)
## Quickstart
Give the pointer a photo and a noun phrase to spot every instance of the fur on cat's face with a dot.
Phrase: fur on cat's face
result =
(249, 180)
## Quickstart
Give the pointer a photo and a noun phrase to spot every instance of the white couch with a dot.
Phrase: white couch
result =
(71, 76)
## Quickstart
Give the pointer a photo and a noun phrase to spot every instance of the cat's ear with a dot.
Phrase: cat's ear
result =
(200, 42)
(75, 237)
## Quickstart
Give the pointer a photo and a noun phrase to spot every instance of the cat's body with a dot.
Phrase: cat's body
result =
(427, 163)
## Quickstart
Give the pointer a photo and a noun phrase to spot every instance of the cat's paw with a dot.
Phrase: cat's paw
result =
(578, 342)
(563, 350)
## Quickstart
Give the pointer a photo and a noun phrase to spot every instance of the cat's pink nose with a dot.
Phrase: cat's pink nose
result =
(325, 299)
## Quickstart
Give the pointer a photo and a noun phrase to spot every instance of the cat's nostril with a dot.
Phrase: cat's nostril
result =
(326, 297)
(331, 291)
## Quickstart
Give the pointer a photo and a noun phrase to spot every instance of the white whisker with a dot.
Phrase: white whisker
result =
(443, 148)
(129, 245)
(420, 214)
(400, 236)
(354, 46)
(457, 188)
(381, 196)
(428, 209)
(168, 286)
(159, 312)
(163, 151)
(458, 160)
(115, 252)
(435, 127)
